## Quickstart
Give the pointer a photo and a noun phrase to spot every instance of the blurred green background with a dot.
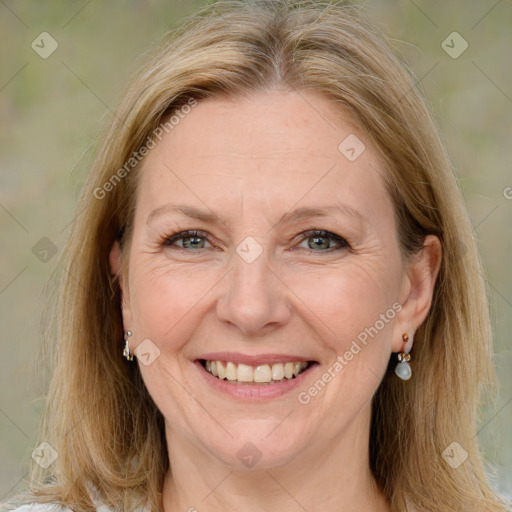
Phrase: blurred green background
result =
(50, 109)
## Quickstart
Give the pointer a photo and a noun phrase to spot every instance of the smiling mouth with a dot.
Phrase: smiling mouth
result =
(264, 374)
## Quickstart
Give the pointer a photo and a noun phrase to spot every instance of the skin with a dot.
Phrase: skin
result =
(250, 161)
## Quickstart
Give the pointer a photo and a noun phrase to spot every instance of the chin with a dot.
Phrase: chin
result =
(256, 445)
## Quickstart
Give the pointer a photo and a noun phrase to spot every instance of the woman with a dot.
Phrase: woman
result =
(273, 298)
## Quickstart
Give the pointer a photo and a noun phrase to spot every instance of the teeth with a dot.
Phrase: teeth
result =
(220, 370)
(244, 373)
(264, 373)
(231, 371)
(277, 371)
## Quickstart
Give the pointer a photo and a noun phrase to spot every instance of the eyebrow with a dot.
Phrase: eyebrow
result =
(292, 216)
(307, 213)
(188, 211)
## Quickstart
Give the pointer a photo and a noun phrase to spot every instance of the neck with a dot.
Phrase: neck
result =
(328, 478)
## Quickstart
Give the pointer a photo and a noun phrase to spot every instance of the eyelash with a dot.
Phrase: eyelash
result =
(168, 241)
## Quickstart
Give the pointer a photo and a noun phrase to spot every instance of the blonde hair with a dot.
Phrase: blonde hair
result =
(99, 416)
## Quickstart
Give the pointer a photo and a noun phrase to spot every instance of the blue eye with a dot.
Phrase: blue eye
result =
(191, 240)
(320, 240)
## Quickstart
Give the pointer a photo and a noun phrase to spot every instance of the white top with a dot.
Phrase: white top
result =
(42, 507)
(103, 508)
(47, 507)
(54, 507)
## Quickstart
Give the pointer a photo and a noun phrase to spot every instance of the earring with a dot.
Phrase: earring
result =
(403, 369)
(126, 351)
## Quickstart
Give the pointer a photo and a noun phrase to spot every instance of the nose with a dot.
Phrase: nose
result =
(254, 298)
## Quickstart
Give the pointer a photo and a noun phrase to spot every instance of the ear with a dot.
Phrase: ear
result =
(417, 291)
(116, 267)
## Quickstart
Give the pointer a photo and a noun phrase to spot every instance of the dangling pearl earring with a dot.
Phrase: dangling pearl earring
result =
(403, 369)
(126, 351)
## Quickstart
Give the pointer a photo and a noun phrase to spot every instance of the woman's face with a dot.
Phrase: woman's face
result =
(256, 287)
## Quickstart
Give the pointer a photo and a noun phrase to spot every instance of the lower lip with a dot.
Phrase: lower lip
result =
(255, 392)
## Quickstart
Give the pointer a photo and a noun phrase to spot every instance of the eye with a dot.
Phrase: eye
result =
(189, 240)
(319, 240)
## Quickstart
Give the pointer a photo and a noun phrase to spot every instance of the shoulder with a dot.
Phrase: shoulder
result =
(41, 507)
(50, 507)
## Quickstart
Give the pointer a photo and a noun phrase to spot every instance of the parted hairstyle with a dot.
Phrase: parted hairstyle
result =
(99, 417)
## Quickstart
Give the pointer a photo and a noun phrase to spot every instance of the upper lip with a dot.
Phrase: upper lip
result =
(253, 360)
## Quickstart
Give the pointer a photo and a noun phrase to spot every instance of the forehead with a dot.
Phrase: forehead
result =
(271, 150)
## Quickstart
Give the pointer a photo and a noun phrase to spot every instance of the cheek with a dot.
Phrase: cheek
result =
(353, 309)
(342, 303)
(165, 301)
